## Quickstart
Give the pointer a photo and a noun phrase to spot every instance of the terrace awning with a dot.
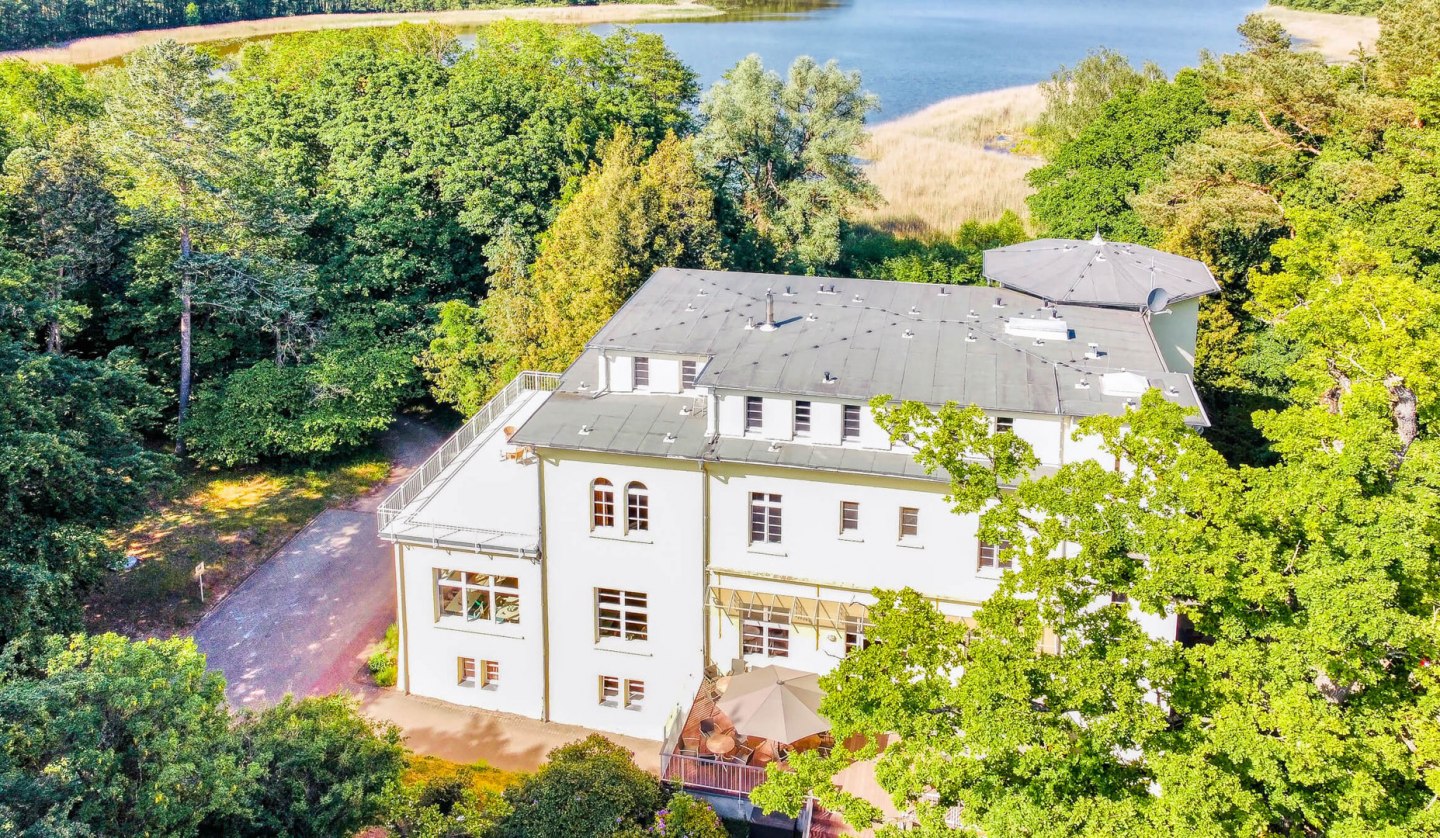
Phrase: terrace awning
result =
(803, 611)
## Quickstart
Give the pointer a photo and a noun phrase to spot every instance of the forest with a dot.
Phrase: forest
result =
(1339, 7)
(1298, 538)
(30, 23)
(209, 266)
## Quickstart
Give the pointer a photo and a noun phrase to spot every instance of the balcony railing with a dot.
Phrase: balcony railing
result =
(710, 775)
(472, 430)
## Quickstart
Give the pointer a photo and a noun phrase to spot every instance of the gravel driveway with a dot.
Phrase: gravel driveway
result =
(302, 622)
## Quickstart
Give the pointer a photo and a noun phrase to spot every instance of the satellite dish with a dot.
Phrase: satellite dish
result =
(1158, 300)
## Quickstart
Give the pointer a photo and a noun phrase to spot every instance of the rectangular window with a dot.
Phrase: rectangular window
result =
(623, 614)
(490, 674)
(852, 422)
(802, 418)
(688, 371)
(1117, 598)
(1004, 424)
(855, 628)
(990, 556)
(849, 517)
(909, 522)
(754, 413)
(478, 596)
(465, 670)
(764, 518)
(642, 372)
(610, 690)
(635, 694)
(765, 630)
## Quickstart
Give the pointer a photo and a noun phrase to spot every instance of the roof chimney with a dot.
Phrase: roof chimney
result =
(769, 324)
(1097, 241)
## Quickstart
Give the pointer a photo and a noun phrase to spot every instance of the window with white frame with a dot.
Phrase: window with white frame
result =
(1004, 424)
(477, 596)
(637, 508)
(689, 370)
(909, 522)
(992, 556)
(642, 371)
(602, 503)
(764, 518)
(851, 428)
(765, 630)
(849, 517)
(855, 633)
(754, 413)
(465, 671)
(623, 614)
(802, 418)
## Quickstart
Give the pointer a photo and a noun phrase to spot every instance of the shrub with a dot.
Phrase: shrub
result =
(590, 788)
(688, 817)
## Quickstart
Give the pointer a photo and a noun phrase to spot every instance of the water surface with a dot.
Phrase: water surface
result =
(914, 53)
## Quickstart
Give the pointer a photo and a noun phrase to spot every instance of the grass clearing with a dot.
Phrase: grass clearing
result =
(230, 520)
(953, 162)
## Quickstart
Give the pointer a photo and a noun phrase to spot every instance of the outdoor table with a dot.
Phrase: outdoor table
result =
(722, 684)
(720, 743)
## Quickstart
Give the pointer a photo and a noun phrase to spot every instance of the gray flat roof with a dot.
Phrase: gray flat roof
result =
(959, 348)
(913, 341)
(1096, 272)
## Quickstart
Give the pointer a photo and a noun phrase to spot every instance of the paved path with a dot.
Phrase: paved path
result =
(302, 622)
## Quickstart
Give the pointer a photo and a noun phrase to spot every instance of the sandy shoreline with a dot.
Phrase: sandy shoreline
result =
(1333, 36)
(108, 47)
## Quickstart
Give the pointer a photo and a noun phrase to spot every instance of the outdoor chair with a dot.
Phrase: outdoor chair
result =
(707, 727)
(744, 752)
(735, 759)
(690, 746)
(738, 666)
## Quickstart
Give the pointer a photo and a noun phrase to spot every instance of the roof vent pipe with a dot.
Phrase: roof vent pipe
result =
(769, 324)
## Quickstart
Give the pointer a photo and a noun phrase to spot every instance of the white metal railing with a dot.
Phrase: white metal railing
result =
(710, 774)
(392, 506)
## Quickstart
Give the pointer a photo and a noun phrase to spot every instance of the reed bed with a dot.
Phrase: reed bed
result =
(953, 162)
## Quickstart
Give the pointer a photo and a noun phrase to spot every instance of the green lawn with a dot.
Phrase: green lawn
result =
(231, 520)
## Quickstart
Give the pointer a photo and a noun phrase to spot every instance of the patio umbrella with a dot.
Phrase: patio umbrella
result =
(773, 702)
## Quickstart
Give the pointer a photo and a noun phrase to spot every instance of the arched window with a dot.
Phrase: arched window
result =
(602, 503)
(637, 508)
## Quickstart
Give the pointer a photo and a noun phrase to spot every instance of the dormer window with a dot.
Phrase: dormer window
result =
(688, 371)
(852, 423)
(754, 413)
(802, 418)
(642, 372)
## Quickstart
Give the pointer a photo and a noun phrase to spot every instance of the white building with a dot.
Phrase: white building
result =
(706, 482)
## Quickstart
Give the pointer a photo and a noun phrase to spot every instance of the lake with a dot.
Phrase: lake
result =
(913, 53)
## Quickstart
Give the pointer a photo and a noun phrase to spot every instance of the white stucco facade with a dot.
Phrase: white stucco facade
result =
(646, 516)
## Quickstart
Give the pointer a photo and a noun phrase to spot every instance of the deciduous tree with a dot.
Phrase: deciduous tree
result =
(782, 153)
